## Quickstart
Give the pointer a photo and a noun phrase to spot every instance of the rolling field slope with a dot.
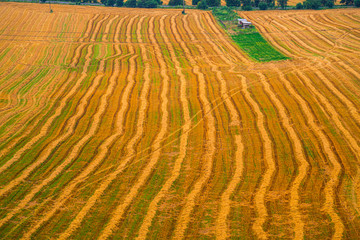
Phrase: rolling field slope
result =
(148, 124)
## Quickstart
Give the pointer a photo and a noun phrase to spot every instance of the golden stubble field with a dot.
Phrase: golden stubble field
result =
(129, 123)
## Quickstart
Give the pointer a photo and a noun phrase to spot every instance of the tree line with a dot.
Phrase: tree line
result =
(245, 5)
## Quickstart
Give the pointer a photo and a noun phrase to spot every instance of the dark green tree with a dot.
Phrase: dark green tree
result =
(246, 5)
(195, 2)
(175, 2)
(246, 8)
(357, 3)
(312, 4)
(233, 3)
(147, 4)
(329, 4)
(202, 5)
(130, 3)
(110, 3)
(282, 3)
(119, 3)
(270, 3)
(347, 2)
(299, 6)
(263, 6)
(213, 3)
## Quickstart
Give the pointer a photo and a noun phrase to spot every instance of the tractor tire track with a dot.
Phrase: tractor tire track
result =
(338, 122)
(45, 128)
(153, 207)
(301, 52)
(330, 186)
(343, 98)
(338, 23)
(344, 65)
(104, 147)
(299, 156)
(56, 96)
(331, 86)
(268, 34)
(235, 50)
(334, 175)
(316, 33)
(270, 162)
(223, 86)
(94, 126)
(299, 41)
(322, 21)
(324, 48)
(62, 104)
(130, 146)
(352, 109)
(102, 152)
(184, 218)
(120, 210)
(349, 86)
(69, 129)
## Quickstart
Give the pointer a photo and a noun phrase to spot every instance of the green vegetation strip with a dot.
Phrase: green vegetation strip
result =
(249, 40)
(257, 47)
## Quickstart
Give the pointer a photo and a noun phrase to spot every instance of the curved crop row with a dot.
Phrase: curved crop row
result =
(153, 124)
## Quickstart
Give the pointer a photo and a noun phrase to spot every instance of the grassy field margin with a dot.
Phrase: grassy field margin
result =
(249, 40)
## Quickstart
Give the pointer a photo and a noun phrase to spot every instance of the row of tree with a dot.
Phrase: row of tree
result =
(316, 4)
(204, 4)
(265, 4)
(245, 4)
(132, 3)
(261, 4)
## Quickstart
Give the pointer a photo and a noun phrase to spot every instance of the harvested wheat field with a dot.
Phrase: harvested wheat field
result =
(125, 123)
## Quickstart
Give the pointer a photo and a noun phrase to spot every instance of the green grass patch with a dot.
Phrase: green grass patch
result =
(257, 47)
(249, 40)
